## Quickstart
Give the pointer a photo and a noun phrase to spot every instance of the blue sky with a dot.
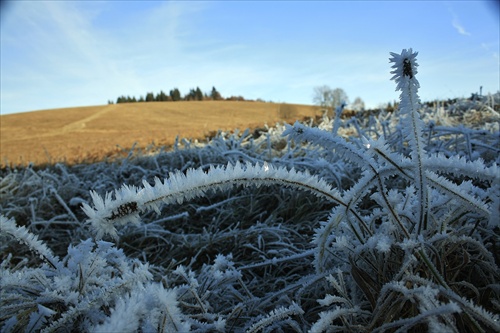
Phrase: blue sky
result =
(63, 54)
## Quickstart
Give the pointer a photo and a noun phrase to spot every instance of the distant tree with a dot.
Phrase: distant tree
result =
(389, 107)
(175, 95)
(339, 97)
(235, 98)
(198, 94)
(191, 95)
(215, 95)
(325, 97)
(110, 101)
(121, 99)
(358, 105)
(161, 97)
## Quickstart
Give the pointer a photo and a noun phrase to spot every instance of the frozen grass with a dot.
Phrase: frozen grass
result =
(368, 254)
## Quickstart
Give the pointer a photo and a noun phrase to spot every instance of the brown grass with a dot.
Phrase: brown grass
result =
(90, 134)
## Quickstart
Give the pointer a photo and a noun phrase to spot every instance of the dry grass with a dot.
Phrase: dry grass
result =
(89, 134)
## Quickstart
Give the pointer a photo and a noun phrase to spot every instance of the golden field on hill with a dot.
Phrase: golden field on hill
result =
(90, 134)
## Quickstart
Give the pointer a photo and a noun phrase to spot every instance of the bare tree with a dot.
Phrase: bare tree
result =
(323, 96)
(339, 97)
(326, 97)
(358, 105)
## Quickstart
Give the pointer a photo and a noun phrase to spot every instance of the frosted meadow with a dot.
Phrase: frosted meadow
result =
(387, 223)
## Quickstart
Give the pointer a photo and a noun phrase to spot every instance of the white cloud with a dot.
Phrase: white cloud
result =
(455, 22)
(65, 53)
(458, 26)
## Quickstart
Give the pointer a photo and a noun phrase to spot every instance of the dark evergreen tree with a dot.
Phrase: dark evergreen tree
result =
(191, 95)
(161, 97)
(198, 94)
(175, 95)
(215, 95)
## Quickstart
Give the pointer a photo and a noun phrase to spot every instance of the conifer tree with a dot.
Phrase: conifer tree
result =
(198, 94)
(161, 97)
(191, 95)
(175, 94)
(215, 95)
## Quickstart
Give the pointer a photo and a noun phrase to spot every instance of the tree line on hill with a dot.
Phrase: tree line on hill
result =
(174, 95)
(329, 99)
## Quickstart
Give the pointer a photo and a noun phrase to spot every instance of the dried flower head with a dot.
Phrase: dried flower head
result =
(405, 67)
(407, 70)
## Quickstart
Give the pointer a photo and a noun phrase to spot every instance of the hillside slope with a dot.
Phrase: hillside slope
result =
(87, 134)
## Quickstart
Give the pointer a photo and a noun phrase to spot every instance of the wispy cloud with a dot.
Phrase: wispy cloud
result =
(66, 49)
(459, 27)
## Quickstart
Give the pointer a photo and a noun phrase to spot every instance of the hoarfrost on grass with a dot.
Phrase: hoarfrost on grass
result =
(383, 222)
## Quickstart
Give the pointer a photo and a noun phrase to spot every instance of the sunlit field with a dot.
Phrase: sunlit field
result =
(91, 134)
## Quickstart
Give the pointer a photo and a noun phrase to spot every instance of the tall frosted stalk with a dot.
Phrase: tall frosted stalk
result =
(405, 69)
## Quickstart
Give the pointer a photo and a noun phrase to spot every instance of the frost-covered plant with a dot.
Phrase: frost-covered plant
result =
(417, 226)
(76, 291)
(400, 233)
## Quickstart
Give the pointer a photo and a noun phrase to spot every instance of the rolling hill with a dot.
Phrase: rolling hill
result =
(89, 134)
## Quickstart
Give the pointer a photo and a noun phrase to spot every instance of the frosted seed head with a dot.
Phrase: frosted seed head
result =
(405, 68)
